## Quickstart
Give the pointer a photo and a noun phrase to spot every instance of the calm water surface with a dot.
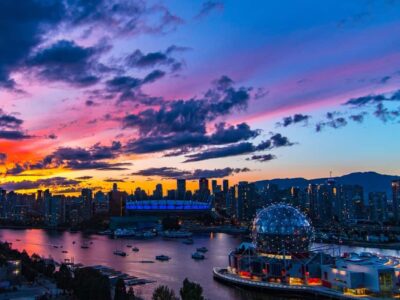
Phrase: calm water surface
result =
(169, 273)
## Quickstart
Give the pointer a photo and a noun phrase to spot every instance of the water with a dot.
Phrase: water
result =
(169, 273)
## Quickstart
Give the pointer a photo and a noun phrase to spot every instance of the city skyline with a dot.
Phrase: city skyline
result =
(161, 90)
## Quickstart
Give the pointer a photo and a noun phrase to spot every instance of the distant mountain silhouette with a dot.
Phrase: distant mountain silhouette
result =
(370, 181)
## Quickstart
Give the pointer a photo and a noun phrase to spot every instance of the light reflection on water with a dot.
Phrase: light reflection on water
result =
(171, 273)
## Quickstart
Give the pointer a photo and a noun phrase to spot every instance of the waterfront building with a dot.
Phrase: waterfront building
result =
(158, 192)
(225, 186)
(246, 201)
(377, 205)
(180, 189)
(396, 199)
(204, 191)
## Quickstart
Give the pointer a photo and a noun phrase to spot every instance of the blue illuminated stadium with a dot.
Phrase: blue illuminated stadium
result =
(167, 205)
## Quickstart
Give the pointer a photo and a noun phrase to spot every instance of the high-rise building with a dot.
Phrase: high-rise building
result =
(349, 203)
(204, 191)
(181, 189)
(87, 203)
(396, 199)
(117, 202)
(158, 192)
(213, 186)
(377, 205)
(246, 201)
(225, 186)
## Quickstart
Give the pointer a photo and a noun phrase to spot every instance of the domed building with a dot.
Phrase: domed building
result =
(282, 229)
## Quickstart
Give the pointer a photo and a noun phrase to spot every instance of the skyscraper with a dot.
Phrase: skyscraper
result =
(377, 204)
(204, 191)
(87, 203)
(213, 186)
(180, 189)
(158, 192)
(396, 199)
(225, 186)
(246, 201)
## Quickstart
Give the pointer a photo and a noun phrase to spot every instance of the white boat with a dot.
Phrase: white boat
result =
(120, 253)
(177, 234)
(198, 256)
(163, 257)
(124, 232)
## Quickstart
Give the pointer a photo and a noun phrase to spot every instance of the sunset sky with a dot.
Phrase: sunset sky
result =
(141, 92)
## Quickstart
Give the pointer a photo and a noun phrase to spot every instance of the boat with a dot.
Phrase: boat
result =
(85, 247)
(64, 251)
(129, 246)
(73, 242)
(119, 253)
(120, 232)
(202, 249)
(163, 257)
(135, 249)
(146, 262)
(198, 256)
(177, 234)
(105, 232)
(188, 242)
(55, 246)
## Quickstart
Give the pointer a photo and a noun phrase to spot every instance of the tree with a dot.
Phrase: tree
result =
(164, 293)
(64, 278)
(191, 291)
(131, 294)
(120, 290)
(89, 283)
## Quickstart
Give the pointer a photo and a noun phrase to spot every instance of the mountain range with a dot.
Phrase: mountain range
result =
(370, 181)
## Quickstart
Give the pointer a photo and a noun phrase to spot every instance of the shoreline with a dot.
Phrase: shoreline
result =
(220, 274)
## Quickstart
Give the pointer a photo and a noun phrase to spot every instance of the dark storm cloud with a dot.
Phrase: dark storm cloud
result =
(384, 114)
(78, 158)
(68, 62)
(36, 21)
(29, 21)
(48, 182)
(232, 150)
(359, 118)
(15, 135)
(297, 118)
(333, 120)
(191, 115)
(153, 76)
(209, 6)
(276, 141)
(187, 140)
(84, 177)
(9, 121)
(169, 173)
(262, 157)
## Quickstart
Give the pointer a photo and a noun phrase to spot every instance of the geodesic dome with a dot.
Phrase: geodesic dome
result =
(282, 229)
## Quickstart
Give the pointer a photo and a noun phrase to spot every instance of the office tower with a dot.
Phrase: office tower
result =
(54, 210)
(158, 192)
(349, 203)
(181, 189)
(171, 194)
(87, 203)
(295, 195)
(377, 204)
(246, 201)
(204, 191)
(396, 199)
(312, 201)
(213, 186)
(225, 186)
(117, 202)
